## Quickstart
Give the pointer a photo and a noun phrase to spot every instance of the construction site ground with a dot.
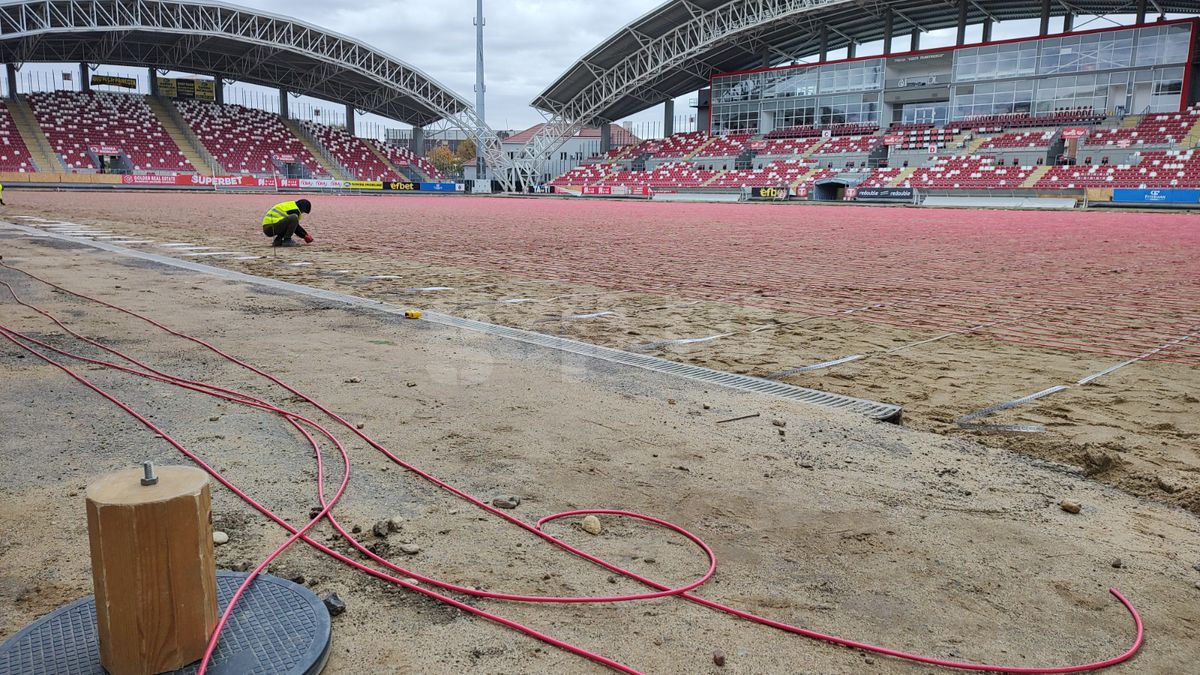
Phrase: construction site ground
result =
(949, 544)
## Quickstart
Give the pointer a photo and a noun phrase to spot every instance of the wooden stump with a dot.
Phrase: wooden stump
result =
(152, 568)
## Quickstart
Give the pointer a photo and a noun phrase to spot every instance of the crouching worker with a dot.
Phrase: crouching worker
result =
(283, 221)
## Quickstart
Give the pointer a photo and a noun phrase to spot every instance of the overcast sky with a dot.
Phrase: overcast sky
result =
(528, 43)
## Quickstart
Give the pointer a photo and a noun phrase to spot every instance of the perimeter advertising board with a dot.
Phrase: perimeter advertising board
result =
(615, 190)
(885, 194)
(198, 180)
(768, 193)
(362, 184)
(439, 187)
(401, 186)
(1174, 196)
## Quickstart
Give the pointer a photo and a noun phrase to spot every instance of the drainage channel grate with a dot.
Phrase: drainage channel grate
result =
(881, 411)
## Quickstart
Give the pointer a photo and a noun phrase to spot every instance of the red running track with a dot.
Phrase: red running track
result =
(1114, 283)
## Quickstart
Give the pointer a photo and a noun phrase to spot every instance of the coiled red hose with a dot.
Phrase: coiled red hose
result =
(299, 422)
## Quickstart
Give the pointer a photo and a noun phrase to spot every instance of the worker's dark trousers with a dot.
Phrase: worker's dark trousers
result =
(285, 228)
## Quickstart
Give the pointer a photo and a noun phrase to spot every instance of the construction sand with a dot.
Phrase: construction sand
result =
(935, 544)
(1137, 429)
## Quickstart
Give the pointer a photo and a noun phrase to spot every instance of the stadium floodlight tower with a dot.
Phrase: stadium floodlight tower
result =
(480, 90)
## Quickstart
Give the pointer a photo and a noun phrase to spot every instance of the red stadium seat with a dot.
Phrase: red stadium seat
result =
(76, 121)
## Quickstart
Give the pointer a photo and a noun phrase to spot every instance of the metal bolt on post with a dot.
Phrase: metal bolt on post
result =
(148, 470)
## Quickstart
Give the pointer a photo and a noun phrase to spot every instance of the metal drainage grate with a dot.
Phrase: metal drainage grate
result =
(886, 412)
(875, 410)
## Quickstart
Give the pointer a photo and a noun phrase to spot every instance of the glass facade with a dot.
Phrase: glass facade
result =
(1134, 70)
(995, 62)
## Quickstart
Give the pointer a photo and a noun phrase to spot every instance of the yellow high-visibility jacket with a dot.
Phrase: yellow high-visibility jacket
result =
(280, 211)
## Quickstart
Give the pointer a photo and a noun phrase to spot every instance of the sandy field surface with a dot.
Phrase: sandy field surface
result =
(951, 312)
(935, 544)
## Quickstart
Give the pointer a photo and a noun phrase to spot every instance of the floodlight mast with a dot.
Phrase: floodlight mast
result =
(481, 169)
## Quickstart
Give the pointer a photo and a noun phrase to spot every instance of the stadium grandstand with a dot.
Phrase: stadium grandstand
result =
(1063, 112)
(104, 133)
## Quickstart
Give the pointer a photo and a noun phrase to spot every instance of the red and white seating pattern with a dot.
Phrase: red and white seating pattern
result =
(920, 139)
(802, 131)
(244, 140)
(679, 145)
(351, 152)
(585, 174)
(75, 121)
(14, 156)
(1161, 129)
(1027, 140)
(776, 174)
(784, 147)
(725, 146)
(842, 145)
(882, 177)
(811, 179)
(854, 129)
(1154, 170)
(968, 172)
(672, 175)
(403, 157)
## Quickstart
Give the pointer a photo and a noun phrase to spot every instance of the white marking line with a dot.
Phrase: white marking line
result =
(192, 248)
(815, 366)
(177, 243)
(384, 276)
(515, 301)
(133, 241)
(593, 315)
(83, 233)
(683, 341)
(248, 257)
(209, 253)
(968, 421)
(428, 289)
(300, 264)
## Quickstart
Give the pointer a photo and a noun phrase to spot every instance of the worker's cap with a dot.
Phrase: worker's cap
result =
(304, 205)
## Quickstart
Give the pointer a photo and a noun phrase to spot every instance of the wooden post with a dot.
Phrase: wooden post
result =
(152, 568)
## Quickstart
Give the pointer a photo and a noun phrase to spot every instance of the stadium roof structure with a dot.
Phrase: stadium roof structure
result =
(216, 38)
(675, 48)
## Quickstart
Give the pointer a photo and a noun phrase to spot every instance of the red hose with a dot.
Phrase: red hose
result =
(300, 534)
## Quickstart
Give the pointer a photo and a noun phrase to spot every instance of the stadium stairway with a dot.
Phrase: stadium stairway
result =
(387, 162)
(800, 180)
(813, 150)
(1131, 121)
(975, 144)
(319, 153)
(902, 176)
(187, 142)
(1036, 176)
(709, 141)
(40, 151)
(1192, 140)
